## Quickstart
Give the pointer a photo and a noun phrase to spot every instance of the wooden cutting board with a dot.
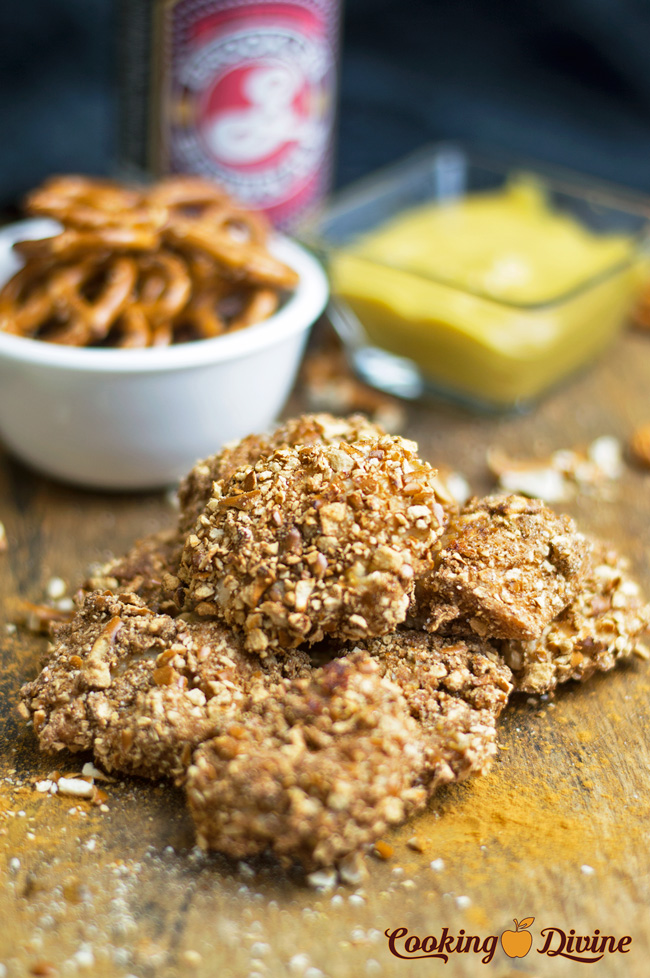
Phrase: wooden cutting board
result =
(558, 831)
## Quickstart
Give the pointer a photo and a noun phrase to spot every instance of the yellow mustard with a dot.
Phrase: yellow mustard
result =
(495, 296)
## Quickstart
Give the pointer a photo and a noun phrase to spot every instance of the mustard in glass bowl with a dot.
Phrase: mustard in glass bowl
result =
(486, 283)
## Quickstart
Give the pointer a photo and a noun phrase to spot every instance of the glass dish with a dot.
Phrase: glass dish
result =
(412, 331)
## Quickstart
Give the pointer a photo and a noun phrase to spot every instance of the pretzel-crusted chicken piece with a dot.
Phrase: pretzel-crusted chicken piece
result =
(313, 541)
(507, 566)
(603, 623)
(142, 690)
(351, 749)
(309, 429)
(455, 690)
(314, 775)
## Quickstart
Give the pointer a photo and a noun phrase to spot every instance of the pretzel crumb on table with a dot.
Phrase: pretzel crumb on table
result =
(324, 639)
(640, 317)
(329, 384)
(640, 446)
(137, 267)
(593, 470)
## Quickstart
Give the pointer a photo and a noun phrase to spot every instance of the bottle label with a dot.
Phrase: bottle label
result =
(250, 89)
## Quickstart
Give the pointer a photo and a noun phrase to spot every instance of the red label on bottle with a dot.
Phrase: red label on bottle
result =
(252, 99)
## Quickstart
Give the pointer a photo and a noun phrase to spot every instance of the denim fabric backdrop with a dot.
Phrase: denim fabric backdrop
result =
(563, 80)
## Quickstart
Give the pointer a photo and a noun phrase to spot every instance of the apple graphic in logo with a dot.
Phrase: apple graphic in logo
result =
(517, 943)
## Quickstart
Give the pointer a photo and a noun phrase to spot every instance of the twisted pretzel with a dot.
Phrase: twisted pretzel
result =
(72, 244)
(178, 193)
(165, 289)
(57, 300)
(93, 318)
(261, 304)
(78, 202)
(242, 260)
(24, 301)
(133, 330)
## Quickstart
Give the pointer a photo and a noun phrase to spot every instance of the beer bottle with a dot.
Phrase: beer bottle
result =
(240, 91)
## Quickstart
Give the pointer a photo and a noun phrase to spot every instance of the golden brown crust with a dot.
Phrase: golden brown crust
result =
(312, 776)
(314, 541)
(455, 690)
(309, 429)
(144, 570)
(142, 690)
(604, 623)
(507, 566)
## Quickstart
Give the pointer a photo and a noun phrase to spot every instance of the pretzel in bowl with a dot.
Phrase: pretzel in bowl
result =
(137, 267)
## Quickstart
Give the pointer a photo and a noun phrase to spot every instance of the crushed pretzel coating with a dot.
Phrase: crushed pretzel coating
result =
(455, 690)
(314, 541)
(349, 750)
(603, 623)
(507, 566)
(148, 569)
(187, 657)
(314, 775)
(309, 429)
(140, 689)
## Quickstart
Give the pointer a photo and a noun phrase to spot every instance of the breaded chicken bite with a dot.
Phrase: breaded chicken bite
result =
(309, 429)
(455, 689)
(603, 623)
(353, 748)
(506, 567)
(314, 541)
(314, 775)
(142, 690)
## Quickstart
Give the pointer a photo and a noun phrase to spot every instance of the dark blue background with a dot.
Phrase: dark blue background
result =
(567, 81)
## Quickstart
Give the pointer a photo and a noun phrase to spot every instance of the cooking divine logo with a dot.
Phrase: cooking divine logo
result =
(554, 942)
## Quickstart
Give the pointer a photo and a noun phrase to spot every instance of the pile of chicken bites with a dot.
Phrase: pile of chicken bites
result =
(325, 638)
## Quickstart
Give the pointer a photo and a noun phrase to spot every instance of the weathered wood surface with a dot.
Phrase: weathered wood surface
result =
(571, 786)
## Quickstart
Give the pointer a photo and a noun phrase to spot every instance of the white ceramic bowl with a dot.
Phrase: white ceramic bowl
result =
(139, 419)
